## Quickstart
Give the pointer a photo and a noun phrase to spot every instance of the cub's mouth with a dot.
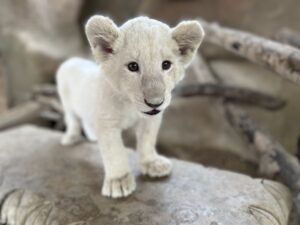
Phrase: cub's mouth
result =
(152, 112)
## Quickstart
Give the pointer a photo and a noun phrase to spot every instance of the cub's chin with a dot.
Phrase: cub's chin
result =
(152, 112)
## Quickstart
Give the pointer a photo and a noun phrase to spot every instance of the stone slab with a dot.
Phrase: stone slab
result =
(44, 183)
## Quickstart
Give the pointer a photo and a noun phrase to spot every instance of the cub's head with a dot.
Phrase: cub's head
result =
(144, 58)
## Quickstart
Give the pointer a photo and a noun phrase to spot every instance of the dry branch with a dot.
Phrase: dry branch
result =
(267, 166)
(50, 102)
(51, 115)
(231, 94)
(273, 158)
(283, 59)
(24, 113)
(44, 89)
(44, 104)
(288, 36)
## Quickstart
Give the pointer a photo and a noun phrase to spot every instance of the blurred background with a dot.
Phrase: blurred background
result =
(37, 35)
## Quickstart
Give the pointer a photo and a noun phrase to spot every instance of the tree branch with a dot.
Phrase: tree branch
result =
(21, 114)
(288, 36)
(274, 160)
(230, 94)
(273, 156)
(282, 59)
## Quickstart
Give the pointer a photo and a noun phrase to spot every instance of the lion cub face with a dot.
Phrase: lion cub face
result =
(144, 58)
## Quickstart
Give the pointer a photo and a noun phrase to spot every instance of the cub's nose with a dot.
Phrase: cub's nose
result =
(153, 105)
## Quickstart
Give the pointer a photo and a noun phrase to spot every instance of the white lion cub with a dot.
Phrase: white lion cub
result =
(138, 65)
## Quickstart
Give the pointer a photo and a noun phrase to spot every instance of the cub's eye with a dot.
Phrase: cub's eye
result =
(133, 67)
(166, 65)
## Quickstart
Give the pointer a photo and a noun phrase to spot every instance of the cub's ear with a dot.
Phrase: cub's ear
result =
(188, 35)
(102, 34)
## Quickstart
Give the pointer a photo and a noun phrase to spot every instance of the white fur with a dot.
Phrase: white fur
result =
(105, 98)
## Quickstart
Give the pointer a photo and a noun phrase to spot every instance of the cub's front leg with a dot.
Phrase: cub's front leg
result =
(151, 163)
(118, 181)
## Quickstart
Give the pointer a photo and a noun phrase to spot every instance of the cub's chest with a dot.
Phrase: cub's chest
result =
(128, 117)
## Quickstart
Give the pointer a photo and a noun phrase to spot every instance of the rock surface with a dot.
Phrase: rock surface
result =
(43, 183)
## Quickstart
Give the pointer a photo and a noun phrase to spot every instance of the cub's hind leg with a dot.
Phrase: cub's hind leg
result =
(73, 129)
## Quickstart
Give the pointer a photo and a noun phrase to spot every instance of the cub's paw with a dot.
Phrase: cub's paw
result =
(160, 166)
(70, 139)
(119, 187)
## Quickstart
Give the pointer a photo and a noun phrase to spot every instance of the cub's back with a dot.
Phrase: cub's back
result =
(76, 69)
(75, 76)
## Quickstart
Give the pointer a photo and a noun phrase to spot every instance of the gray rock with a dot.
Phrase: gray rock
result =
(42, 183)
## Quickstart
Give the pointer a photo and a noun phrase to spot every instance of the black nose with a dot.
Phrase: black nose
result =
(153, 105)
